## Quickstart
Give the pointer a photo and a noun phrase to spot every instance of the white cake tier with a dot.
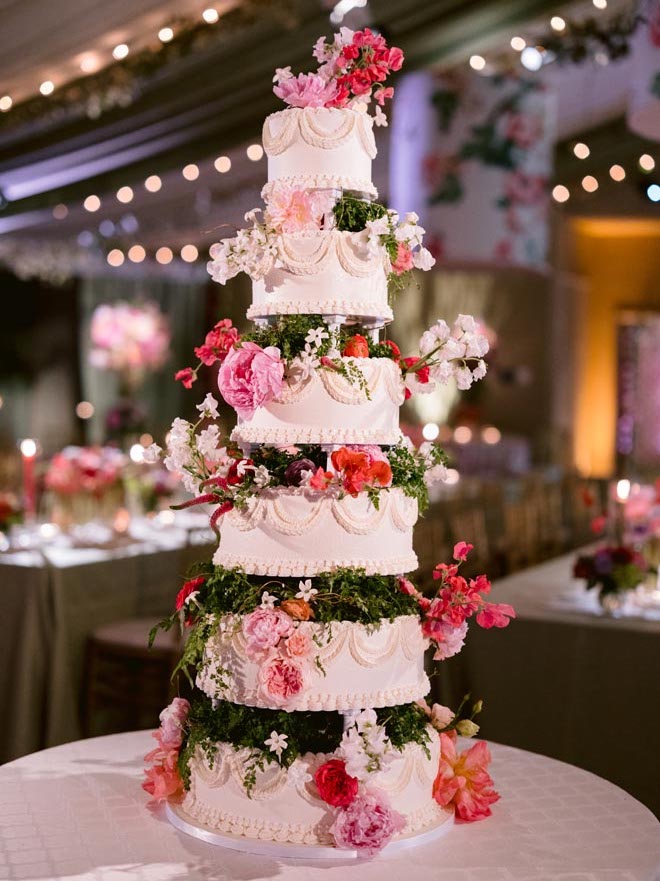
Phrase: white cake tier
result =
(337, 144)
(281, 808)
(362, 666)
(328, 409)
(326, 272)
(293, 531)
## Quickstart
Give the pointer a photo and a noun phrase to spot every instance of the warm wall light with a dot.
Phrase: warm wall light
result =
(646, 162)
(589, 183)
(189, 253)
(164, 255)
(560, 193)
(581, 150)
(617, 173)
(222, 164)
(115, 257)
(153, 183)
(125, 195)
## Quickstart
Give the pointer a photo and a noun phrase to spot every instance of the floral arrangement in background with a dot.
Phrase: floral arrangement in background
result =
(352, 70)
(613, 569)
(11, 510)
(92, 471)
(129, 338)
(254, 367)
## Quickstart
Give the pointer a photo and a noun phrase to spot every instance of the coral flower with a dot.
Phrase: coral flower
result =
(463, 779)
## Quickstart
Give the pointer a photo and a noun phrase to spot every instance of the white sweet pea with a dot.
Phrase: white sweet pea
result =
(207, 441)
(268, 600)
(381, 117)
(261, 476)
(152, 454)
(411, 217)
(436, 474)
(243, 467)
(466, 323)
(479, 371)
(276, 743)
(209, 407)
(298, 774)
(305, 590)
(345, 36)
(463, 378)
(423, 259)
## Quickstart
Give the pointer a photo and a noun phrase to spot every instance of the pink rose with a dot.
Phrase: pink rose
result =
(367, 824)
(250, 377)
(463, 779)
(306, 90)
(163, 780)
(281, 679)
(264, 628)
(172, 721)
(404, 259)
(299, 644)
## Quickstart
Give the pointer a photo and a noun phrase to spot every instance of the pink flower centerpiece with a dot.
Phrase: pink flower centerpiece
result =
(129, 337)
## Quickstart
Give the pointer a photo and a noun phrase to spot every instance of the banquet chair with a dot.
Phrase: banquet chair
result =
(127, 684)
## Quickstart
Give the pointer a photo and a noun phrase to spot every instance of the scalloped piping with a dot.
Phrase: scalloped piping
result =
(314, 434)
(304, 123)
(333, 244)
(349, 308)
(320, 182)
(281, 568)
(379, 373)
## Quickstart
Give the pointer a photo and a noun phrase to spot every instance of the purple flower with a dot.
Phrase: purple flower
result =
(294, 474)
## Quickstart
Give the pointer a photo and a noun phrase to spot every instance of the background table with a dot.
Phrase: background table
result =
(566, 680)
(77, 811)
(52, 600)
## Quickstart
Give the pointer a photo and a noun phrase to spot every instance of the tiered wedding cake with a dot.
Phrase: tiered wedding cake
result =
(306, 639)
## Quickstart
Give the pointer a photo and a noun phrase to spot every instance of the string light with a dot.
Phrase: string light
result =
(646, 162)
(190, 172)
(136, 253)
(153, 183)
(106, 228)
(557, 23)
(653, 192)
(581, 150)
(189, 253)
(165, 35)
(115, 257)
(146, 439)
(430, 431)
(120, 51)
(125, 195)
(477, 62)
(89, 63)
(84, 410)
(60, 211)
(463, 434)
(531, 58)
(255, 152)
(560, 193)
(210, 16)
(5, 103)
(164, 256)
(518, 44)
(617, 173)
(92, 203)
(600, 4)
(589, 183)
(47, 87)
(222, 164)
(491, 435)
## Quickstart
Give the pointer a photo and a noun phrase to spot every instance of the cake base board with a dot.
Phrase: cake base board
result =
(287, 850)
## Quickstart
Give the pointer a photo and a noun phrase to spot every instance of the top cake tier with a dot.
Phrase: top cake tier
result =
(320, 147)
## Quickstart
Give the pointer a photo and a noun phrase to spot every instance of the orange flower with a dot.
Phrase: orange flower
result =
(298, 609)
(356, 347)
(359, 469)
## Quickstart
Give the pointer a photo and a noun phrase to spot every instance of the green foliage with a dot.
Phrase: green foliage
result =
(315, 732)
(288, 334)
(352, 215)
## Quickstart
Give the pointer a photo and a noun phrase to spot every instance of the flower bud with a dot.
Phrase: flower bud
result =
(478, 707)
(466, 728)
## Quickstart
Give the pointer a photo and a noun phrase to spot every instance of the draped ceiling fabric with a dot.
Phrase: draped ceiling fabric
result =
(472, 155)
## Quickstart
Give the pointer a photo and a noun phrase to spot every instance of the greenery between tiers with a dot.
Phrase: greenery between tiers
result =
(343, 595)
(307, 732)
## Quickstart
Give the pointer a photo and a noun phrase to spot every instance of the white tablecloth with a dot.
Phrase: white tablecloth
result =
(78, 812)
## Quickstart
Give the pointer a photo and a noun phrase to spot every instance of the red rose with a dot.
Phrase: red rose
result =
(356, 347)
(335, 786)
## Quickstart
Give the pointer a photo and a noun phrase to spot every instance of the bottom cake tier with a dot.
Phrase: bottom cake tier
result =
(284, 805)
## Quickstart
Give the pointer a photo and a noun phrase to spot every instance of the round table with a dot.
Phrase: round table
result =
(77, 812)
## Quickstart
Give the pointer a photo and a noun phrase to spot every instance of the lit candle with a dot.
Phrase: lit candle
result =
(29, 453)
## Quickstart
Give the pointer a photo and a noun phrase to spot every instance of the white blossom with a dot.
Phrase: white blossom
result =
(261, 476)
(298, 774)
(268, 600)
(152, 454)
(479, 371)
(316, 336)
(423, 259)
(305, 590)
(381, 116)
(276, 743)
(207, 441)
(463, 378)
(284, 73)
(209, 407)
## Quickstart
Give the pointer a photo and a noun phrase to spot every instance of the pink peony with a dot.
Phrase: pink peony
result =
(250, 377)
(281, 679)
(306, 90)
(163, 780)
(172, 720)
(290, 210)
(367, 824)
(463, 779)
(264, 628)
(404, 259)
(299, 644)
